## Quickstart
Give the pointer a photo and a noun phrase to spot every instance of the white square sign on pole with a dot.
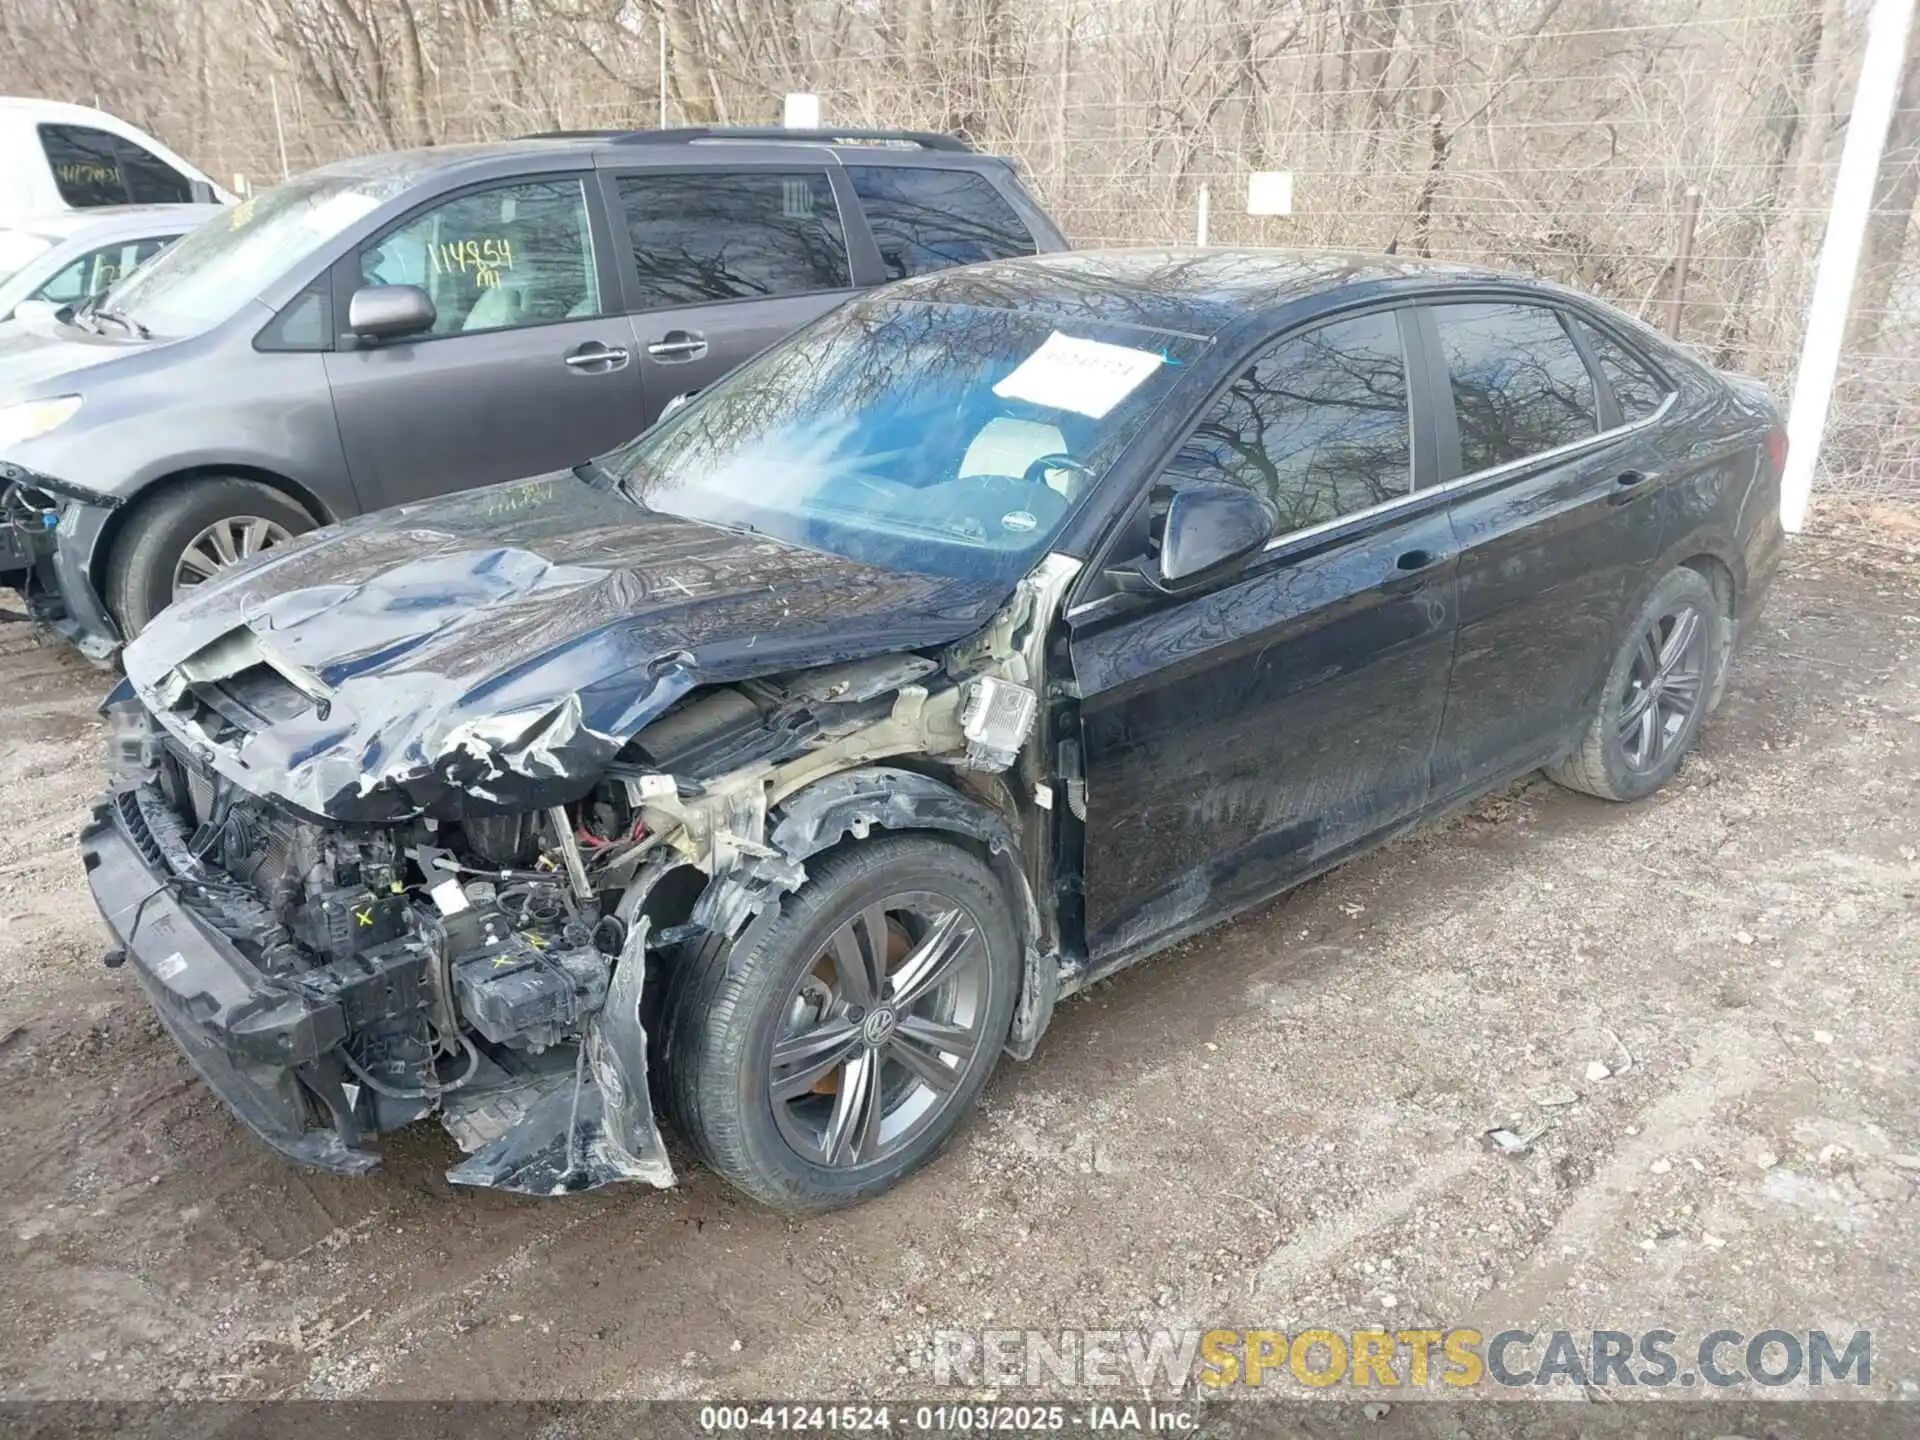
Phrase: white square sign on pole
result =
(1270, 192)
(802, 111)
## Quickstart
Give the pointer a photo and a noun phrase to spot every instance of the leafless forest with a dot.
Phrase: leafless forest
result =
(1556, 136)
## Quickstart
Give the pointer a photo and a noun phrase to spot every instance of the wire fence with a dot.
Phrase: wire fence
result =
(1558, 137)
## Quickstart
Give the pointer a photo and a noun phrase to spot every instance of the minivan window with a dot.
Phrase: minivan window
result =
(224, 264)
(150, 180)
(516, 255)
(91, 167)
(1519, 385)
(1637, 389)
(1319, 424)
(706, 237)
(926, 220)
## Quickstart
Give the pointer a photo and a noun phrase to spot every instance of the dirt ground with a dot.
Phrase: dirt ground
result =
(1279, 1124)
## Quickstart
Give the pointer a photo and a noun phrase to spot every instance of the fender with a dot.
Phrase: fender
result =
(855, 802)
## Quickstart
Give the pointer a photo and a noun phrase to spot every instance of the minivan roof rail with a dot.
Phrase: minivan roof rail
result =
(924, 139)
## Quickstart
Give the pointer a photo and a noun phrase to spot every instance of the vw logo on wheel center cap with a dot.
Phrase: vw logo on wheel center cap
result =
(878, 1026)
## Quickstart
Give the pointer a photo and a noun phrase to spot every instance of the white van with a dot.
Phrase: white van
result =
(56, 157)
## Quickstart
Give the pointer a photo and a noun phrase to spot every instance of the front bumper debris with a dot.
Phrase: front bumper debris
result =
(271, 1051)
(245, 1036)
(48, 533)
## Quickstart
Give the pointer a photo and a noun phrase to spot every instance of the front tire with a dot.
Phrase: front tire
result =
(1657, 692)
(189, 534)
(839, 1043)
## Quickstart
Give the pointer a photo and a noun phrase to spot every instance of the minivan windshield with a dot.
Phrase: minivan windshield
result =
(214, 270)
(946, 439)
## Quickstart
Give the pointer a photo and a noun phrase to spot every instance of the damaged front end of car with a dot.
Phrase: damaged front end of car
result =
(477, 922)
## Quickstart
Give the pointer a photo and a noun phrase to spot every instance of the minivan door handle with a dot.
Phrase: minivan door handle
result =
(594, 358)
(1629, 485)
(678, 345)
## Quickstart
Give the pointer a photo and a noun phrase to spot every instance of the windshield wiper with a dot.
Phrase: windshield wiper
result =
(120, 317)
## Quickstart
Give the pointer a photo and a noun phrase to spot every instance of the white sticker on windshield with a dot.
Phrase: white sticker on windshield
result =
(1088, 377)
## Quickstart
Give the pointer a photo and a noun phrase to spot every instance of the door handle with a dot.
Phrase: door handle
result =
(678, 345)
(1410, 570)
(1630, 485)
(595, 358)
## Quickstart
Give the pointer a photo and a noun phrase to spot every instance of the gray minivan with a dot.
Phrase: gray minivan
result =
(402, 325)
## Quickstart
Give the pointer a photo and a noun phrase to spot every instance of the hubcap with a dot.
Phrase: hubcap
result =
(879, 1032)
(1665, 685)
(223, 543)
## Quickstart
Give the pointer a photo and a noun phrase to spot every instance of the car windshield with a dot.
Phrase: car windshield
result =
(19, 249)
(945, 439)
(225, 263)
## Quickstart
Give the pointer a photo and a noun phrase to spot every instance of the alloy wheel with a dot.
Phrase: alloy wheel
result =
(225, 542)
(879, 1032)
(1666, 684)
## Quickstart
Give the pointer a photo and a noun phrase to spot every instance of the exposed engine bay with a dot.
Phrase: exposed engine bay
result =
(502, 969)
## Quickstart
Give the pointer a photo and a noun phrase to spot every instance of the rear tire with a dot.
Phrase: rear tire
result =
(1658, 690)
(214, 512)
(753, 1027)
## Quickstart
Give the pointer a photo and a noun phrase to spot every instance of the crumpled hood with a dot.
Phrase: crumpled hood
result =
(494, 649)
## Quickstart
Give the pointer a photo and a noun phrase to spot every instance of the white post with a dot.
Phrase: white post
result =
(1205, 213)
(279, 130)
(663, 68)
(1852, 205)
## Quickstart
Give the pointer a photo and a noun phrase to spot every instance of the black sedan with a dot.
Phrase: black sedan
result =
(790, 764)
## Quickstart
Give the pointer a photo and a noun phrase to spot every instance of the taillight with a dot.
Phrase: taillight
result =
(1777, 449)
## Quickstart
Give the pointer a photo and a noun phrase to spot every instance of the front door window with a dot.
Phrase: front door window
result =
(500, 259)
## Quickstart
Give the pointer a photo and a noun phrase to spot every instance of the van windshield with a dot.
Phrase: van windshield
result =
(215, 270)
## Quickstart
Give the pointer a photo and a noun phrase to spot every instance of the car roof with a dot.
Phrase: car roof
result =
(109, 221)
(709, 144)
(1186, 289)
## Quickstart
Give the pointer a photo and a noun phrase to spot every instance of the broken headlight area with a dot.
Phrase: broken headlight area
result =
(497, 969)
(395, 972)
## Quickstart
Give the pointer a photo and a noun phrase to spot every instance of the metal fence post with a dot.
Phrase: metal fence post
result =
(1677, 295)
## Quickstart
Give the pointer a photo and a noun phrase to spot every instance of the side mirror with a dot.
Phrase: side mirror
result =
(1208, 526)
(387, 312)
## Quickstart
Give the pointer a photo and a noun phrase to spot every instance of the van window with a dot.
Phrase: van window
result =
(700, 238)
(500, 259)
(91, 167)
(926, 220)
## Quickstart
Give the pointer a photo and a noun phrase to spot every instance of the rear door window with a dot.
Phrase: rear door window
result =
(1519, 384)
(1637, 389)
(91, 167)
(1319, 424)
(926, 220)
(700, 238)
